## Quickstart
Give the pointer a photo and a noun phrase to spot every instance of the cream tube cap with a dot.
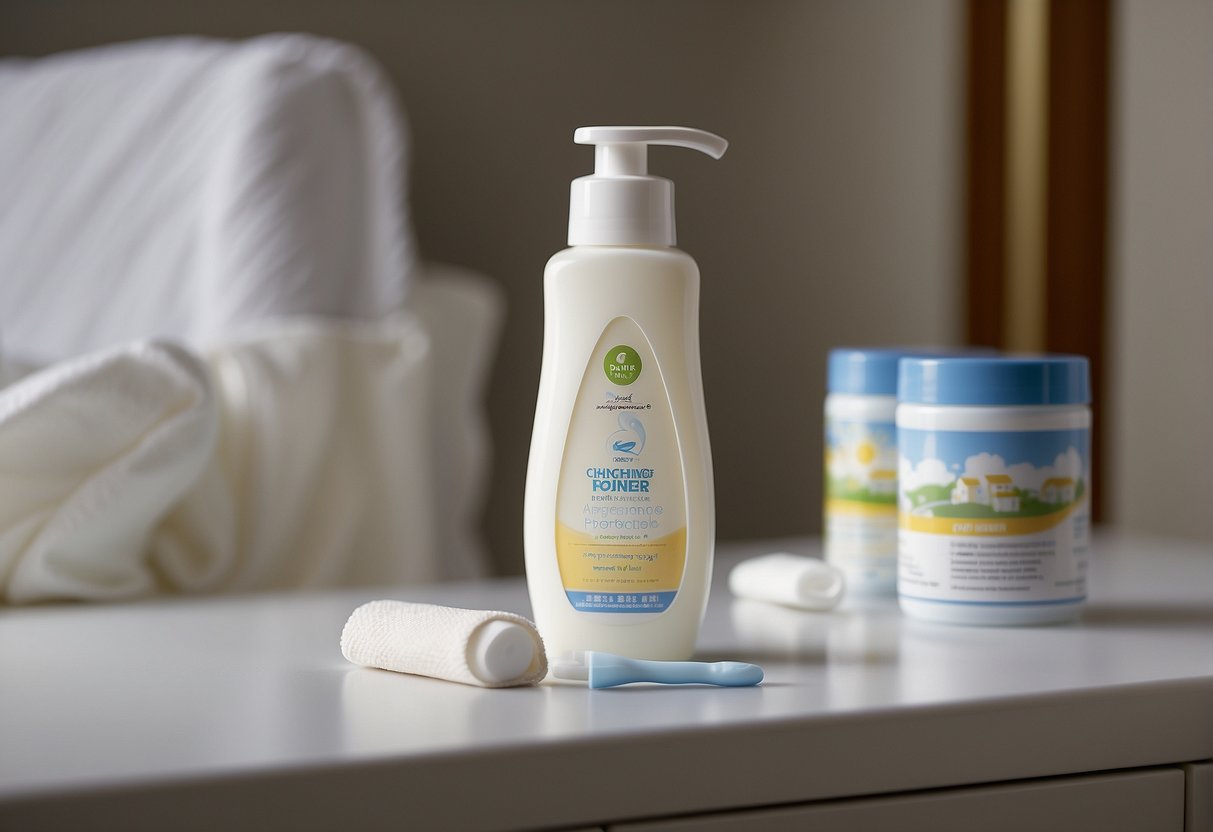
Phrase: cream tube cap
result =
(501, 652)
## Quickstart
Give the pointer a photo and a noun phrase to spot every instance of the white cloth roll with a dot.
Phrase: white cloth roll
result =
(475, 647)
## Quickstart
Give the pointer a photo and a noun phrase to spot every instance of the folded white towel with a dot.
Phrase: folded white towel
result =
(92, 453)
(297, 457)
(475, 647)
(189, 188)
(323, 473)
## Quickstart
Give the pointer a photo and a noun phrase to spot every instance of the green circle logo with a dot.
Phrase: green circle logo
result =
(621, 365)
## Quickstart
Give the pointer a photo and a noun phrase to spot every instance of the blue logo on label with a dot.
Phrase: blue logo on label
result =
(629, 439)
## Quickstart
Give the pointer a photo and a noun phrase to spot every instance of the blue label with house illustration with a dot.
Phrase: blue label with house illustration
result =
(994, 516)
(861, 500)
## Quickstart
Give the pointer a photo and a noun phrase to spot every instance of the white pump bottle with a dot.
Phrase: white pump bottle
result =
(619, 520)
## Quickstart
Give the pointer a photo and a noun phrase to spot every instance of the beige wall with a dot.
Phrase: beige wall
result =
(833, 219)
(1160, 462)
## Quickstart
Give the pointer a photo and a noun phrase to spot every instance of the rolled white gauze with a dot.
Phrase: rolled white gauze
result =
(475, 647)
(791, 580)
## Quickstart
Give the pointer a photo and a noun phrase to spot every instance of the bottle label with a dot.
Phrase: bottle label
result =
(621, 501)
(994, 517)
(861, 498)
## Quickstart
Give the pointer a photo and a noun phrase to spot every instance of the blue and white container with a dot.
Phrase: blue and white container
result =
(860, 506)
(994, 482)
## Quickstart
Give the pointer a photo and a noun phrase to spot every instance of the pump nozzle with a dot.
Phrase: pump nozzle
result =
(621, 204)
(624, 148)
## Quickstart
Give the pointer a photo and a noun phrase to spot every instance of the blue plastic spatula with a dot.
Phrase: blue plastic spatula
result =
(606, 670)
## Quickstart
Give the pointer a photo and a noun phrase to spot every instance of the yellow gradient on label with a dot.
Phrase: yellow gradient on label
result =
(620, 566)
(861, 509)
(983, 526)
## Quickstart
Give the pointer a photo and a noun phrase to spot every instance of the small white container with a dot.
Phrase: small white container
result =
(994, 488)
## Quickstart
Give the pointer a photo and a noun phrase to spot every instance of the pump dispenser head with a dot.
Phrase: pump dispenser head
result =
(621, 205)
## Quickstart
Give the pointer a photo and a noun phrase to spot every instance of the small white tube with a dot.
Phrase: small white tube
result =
(790, 580)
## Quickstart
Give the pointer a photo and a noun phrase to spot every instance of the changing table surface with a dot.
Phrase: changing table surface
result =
(239, 712)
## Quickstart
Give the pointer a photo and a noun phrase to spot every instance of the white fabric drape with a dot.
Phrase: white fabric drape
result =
(319, 421)
(297, 458)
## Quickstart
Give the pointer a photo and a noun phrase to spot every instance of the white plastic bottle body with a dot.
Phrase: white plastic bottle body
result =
(591, 292)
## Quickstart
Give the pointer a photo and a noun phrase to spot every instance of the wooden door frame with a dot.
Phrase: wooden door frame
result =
(1073, 265)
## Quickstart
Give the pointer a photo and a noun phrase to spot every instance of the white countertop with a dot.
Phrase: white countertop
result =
(237, 710)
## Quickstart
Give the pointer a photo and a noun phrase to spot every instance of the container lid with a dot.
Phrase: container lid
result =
(872, 371)
(1002, 380)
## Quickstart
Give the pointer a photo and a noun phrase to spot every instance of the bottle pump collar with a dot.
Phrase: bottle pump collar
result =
(621, 204)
